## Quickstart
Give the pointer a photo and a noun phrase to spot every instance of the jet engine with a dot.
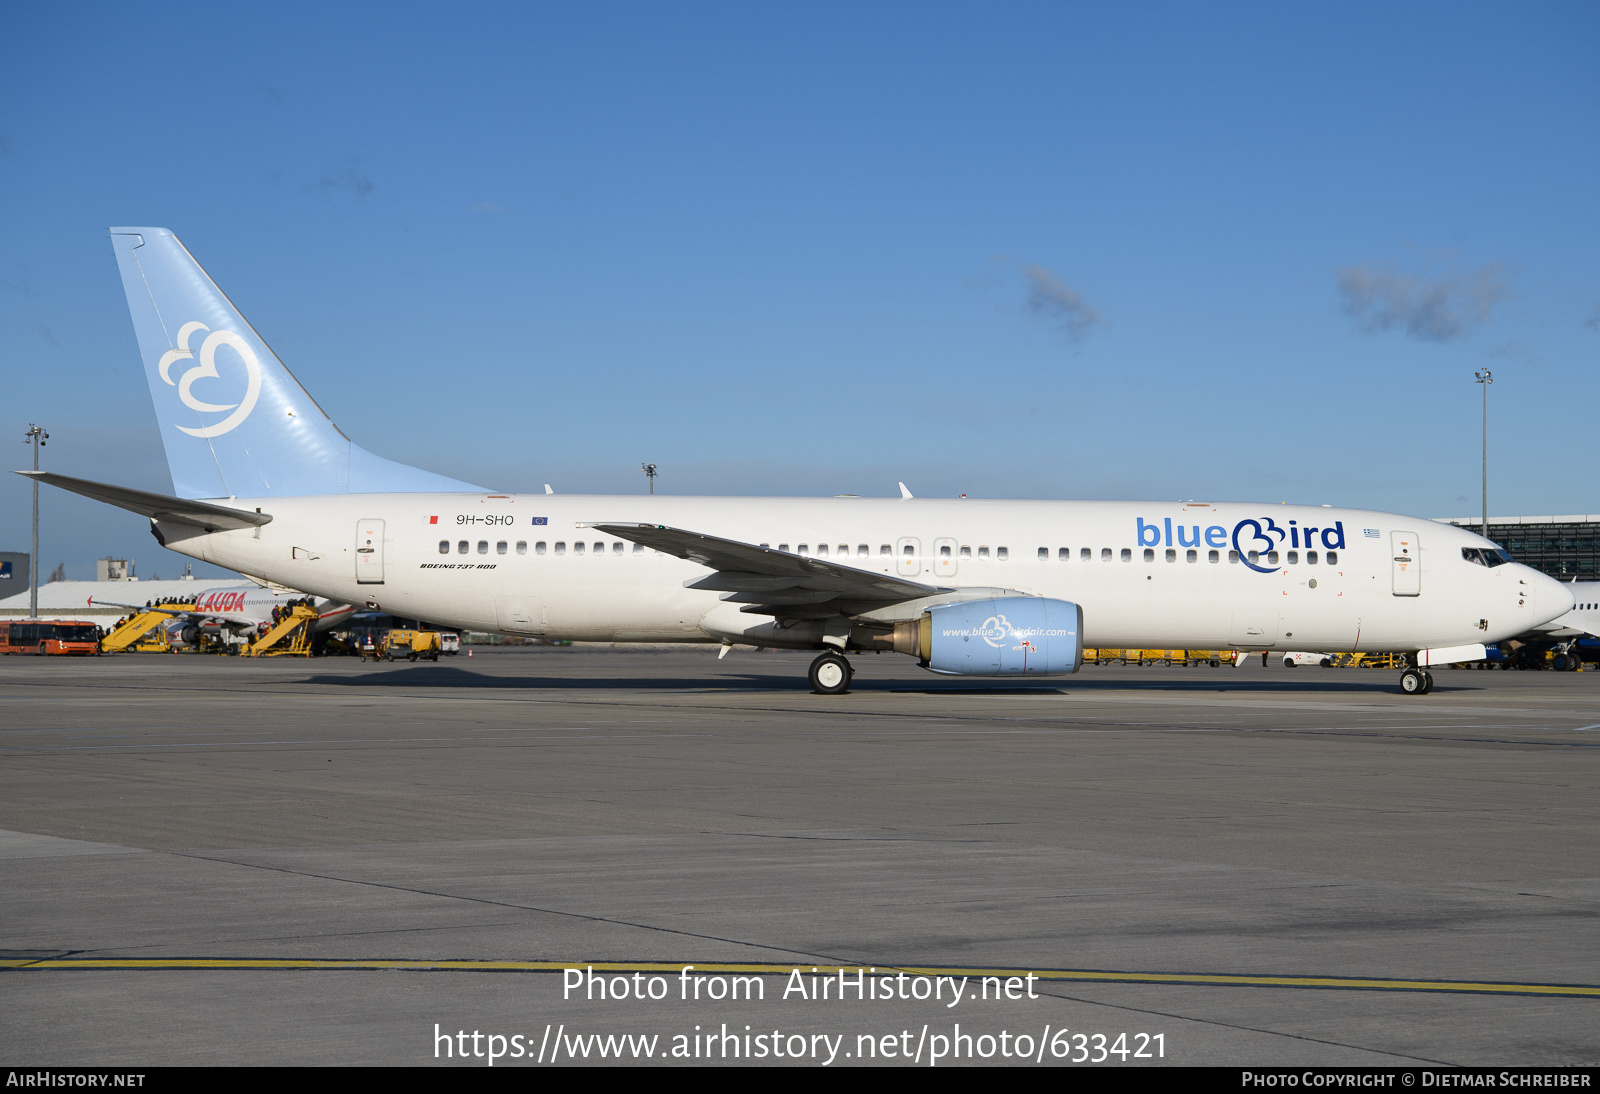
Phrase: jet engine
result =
(1005, 636)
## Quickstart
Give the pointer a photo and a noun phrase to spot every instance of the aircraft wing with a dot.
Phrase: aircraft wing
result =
(773, 582)
(227, 620)
(93, 603)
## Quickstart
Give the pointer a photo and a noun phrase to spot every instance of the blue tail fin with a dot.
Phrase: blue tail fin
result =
(234, 421)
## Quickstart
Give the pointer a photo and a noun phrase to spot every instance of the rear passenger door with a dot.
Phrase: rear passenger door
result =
(369, 552)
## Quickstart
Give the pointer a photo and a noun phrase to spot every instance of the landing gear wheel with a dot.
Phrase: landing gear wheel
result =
(1415, 682)
(830, 675)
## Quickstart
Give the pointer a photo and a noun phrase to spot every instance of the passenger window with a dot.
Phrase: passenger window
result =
(944, 550)
(862, 551)
(502, 547)
(577, 548)
(1002, 553)
(1127, 554)
(966, 552)
(538, 548)
(561, 547)
(483, 546)
(616, 548)
(1044, 554)
(1172, 555)
(822, 550)
(1064, 555)
(1272, 558)
(885, 551)
(1233, 556)
(1193, 556)
(1254, 556)
(599, 548)
(522, 546)
(1105, 554)
(444, 546)
(1311, 558)
(804, 549)
(1149, 554)
(983, 552)
(784, 547)
(843, 551)
(1085, 555)
(1294, 558)
(461, 548)
(1333, 558)
(1211, 556)
(638, 548)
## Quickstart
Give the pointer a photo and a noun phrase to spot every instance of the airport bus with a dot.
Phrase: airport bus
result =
(33, 636)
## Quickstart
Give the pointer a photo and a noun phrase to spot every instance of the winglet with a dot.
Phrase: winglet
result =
(905, 494)
(548, 489)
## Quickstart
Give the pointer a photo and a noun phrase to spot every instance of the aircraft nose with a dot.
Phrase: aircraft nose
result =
(1551, 599)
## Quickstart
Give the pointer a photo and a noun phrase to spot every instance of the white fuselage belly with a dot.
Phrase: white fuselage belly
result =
(311, 544)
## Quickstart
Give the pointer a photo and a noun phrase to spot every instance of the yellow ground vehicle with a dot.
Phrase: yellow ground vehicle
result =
(411, 645)
(1158, 657)
(142, 631)
(291, 635)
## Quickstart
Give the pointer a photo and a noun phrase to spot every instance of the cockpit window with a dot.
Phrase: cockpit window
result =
(1486, 556)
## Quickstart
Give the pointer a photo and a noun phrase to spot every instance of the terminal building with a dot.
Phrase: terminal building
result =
(1567, 548)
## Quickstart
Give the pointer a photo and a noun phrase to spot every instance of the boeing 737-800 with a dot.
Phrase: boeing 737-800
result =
(266, 484)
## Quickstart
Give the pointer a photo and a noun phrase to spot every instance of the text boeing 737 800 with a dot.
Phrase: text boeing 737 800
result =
(267, 485)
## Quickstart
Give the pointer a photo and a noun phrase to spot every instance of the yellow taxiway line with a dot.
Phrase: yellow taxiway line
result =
(1104, 976)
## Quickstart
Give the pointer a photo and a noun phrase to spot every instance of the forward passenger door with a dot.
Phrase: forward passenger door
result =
(1407, 563)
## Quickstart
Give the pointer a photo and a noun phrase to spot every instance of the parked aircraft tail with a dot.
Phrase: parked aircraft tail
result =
(234, 421)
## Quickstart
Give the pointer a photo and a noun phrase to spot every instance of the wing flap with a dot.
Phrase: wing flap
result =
(763, 578)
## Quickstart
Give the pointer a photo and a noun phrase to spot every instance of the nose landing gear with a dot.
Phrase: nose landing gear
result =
(830, 674)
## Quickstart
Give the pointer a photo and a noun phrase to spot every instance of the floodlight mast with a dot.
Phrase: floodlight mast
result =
(1485, 377)
(649, 470)
(35, 436)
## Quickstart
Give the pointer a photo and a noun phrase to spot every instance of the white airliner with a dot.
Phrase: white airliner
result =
(238, 611)
(266, 484)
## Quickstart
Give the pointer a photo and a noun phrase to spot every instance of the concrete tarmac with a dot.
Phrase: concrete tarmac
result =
(175, 819)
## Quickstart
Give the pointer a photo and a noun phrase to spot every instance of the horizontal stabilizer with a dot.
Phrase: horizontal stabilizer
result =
(201, 514)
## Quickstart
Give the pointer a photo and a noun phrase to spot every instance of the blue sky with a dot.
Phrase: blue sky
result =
(1031, 250)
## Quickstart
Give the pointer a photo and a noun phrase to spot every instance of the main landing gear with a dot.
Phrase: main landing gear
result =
(1416, 682)
(830, 674)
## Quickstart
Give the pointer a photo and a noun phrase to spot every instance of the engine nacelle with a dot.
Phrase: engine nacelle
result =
(1006, 636)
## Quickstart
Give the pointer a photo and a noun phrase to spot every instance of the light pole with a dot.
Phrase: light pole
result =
(35, 436)
(1485, 378)
(649, 470)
